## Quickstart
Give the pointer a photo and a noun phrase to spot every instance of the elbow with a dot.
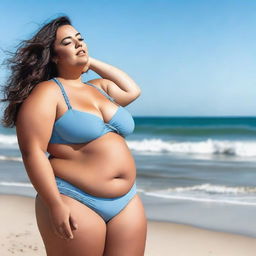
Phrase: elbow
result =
(137, 94)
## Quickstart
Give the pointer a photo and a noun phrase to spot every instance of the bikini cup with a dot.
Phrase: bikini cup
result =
(76, 126)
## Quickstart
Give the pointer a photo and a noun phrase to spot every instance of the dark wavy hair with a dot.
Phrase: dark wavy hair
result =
(30, 64)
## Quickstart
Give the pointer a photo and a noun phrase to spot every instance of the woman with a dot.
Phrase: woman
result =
(86, 202)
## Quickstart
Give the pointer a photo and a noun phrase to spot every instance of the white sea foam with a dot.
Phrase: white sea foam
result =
(209, 146)
(215, 189)
(209, 193)
(159, 146)
(16, 184)
(8, 140)
(10, 158)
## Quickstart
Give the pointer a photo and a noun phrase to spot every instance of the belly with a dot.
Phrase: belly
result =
(103, 167)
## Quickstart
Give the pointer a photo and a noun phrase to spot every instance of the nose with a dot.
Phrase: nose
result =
(78, 43)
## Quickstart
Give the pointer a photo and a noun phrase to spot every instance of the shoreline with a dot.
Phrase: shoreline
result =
(217, 217)
(20, 236)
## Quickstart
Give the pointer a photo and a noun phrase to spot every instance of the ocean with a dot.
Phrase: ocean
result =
(199, 171)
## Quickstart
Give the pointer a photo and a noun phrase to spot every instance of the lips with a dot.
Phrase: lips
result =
(83, 51)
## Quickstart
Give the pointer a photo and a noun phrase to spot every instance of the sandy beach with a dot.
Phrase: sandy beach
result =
(19, 235)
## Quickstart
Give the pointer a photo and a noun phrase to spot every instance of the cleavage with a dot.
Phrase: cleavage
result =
(84, 102)
(61, 110)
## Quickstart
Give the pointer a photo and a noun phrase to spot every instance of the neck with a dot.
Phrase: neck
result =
(72, 74)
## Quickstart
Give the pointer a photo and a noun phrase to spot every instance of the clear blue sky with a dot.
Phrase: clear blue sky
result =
(190, 58)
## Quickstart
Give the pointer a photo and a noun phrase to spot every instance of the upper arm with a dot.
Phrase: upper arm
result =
(120, 96)
(36, 118)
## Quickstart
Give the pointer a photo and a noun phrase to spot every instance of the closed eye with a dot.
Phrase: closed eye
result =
(80, 39)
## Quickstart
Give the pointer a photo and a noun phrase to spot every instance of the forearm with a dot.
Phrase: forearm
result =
(41, 175)
(114, 74)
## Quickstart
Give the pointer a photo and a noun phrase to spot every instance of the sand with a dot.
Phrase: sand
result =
(19, 235)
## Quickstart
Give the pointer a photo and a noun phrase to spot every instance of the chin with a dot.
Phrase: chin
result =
(82, 62)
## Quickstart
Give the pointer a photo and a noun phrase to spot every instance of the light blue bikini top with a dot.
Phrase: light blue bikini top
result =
(76, 126)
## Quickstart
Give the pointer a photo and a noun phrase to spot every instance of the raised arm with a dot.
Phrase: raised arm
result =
(34, 125)
(115, 82)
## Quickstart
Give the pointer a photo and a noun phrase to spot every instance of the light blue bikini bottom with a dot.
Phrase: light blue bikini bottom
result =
(107, 208)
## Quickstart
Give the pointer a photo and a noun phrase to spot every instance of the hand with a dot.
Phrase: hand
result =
(62, 221)
(87, 65)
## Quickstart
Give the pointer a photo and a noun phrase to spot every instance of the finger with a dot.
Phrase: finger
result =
(68, 231)
(57, 232)
(62, 232)
(73, 223)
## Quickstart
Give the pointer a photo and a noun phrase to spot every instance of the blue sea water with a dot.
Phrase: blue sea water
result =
(198, 164)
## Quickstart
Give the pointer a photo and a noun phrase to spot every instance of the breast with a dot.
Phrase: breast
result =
(76, 127)
(123, 122)
(81, 127)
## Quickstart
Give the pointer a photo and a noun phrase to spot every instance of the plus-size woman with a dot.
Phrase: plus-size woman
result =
(86, 202)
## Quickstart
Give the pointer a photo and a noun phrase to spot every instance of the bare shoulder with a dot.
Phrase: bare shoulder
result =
(36, 116)
(102, 83)
(99, 82)
(45, 88)
(43, 93)
(119, 95)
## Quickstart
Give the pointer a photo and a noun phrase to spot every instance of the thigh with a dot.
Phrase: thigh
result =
(89, 238)
(126, 232)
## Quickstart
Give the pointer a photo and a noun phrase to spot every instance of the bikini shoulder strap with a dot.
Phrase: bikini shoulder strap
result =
(63, 91)
(103, 92)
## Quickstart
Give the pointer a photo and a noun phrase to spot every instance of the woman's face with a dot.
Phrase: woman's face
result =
(67, 44)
